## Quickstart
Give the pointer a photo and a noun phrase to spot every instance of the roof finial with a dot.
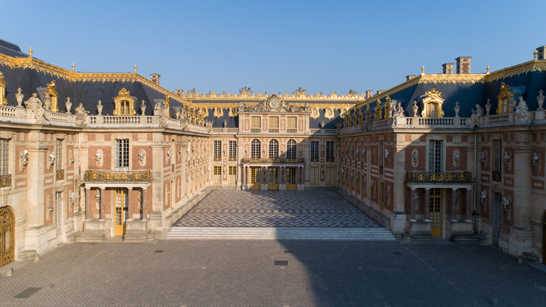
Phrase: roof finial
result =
(487, 69)
(535, 54)
(135, 68)
(423, 70)
(30, 52)
(73, 67)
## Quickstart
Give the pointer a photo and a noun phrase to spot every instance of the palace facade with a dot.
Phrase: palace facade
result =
(87, 156)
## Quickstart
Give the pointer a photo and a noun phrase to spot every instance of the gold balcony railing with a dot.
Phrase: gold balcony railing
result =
(270, 160)
(59, 174)
(5, 180)
(445, 177)
(115, 176)
(232, 159)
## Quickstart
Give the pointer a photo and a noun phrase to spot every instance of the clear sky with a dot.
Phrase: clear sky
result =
(322, 46)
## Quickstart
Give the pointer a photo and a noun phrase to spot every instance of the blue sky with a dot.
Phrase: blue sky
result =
(322, 46)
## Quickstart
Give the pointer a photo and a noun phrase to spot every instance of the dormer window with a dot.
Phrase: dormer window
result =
(504, 98)
(124, 104)
(432, 104)
(3, 100)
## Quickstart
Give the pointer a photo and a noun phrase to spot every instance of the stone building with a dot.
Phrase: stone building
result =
(87, 156)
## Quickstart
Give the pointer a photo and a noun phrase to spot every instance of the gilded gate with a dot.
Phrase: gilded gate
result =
(7, 236)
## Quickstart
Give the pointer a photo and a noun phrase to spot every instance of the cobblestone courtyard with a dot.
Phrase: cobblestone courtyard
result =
(275, 209)
(244, 273)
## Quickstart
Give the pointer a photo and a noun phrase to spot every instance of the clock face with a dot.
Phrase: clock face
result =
(273, 103)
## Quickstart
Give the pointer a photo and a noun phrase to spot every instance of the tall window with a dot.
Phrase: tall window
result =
(435, 156)
(256, 124)
(291, 150)
(273, 149)
(273, 124)
(232, 178)
(125, 108)
(497, 160)
(314, 151)
(217, 175)
(255, 150)
(4, 150)
(330, 151)
(59, 155)
(217, 150)
(232, 150)
(292, 124)
(122, 153)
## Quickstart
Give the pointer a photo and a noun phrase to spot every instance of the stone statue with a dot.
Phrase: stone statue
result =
(225, 123)
(35, 105)
(540, 99)
(68, 104)
(81, 114)
(399, 110)
(99, 108)
(415, 108)
(476, 114)
(522, 110)
(488, 107)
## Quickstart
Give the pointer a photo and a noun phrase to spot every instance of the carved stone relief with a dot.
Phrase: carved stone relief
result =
(142, 157)
(23, 160)
(456, 158)
(99, 157)
(536, 161)
(415, 158)
(51, 160)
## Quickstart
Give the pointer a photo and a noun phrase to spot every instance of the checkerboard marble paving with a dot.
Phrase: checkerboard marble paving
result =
(275, 209)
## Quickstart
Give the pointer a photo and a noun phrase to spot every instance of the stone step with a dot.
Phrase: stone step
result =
(278, 233)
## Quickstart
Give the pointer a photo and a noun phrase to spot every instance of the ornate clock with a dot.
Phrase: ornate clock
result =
(273, 104)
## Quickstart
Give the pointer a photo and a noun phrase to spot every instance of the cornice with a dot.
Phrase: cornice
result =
(260, 97)
(516, 70)
(41, 66)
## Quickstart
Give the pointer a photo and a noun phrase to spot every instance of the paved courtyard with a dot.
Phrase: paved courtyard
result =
(251, 273)
(275, 209)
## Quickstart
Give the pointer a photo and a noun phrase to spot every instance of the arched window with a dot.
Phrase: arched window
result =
(291, 150)
(273, 149)
(255, 150)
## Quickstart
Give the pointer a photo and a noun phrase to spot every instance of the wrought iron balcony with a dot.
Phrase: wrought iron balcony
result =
(114, 176)
(5, 181)
(232, 159)
(270, 160)
(445, 177)
(59, 175)
(497, 176)
(217, 158)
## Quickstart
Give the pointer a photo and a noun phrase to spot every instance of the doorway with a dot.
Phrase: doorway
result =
(273, 183)
(7, 236)
(435, 206)
(255, 178)
(291, 178)
(120, 200)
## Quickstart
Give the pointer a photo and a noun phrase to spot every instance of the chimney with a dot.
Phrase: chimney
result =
(155, 78)
(463, 64)
(178, 92)
(540, 50)
(369, 94)
(447, 68)
(379, 92)
(409, 77)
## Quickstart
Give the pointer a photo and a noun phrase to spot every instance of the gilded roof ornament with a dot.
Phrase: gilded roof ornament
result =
(487, 69)
(422, 70)
(30, 52)
(73, 67)
(135, 68)
(535, 54)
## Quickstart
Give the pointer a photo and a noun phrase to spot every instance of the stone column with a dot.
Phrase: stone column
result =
(427, 204)
(468, 206)
(144, 203)
(102, 209)
(454, 204)
(88, 203)
(412, 204)
(131, 206)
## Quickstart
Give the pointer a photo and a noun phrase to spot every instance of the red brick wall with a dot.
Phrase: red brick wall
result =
(134, 158)
(106, 157)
